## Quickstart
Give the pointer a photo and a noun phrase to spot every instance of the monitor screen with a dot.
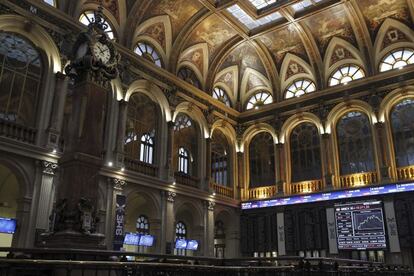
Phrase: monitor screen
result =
(181, 244)
(7, 225)
(360, 226)
(146, 240)
(131, 239)
(192, 245)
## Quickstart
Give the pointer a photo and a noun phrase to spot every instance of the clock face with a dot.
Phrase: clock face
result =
(102, 52)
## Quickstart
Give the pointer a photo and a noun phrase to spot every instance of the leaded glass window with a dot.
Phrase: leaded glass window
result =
(355, 146)
(258, 100)
(299, 88)
(189, 76)
(148, 52)
(219, 159)
(183, 161)
(402, 125)
(180, 230)
(147, 149)
(50, 2)
(221, 95)
(397, 59)
(88, 17)
(21, 72)
(142, 225)
(305, 153)
(262, 160)
(346, 74)
(185, 149)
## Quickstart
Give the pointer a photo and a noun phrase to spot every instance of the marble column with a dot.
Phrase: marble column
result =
(168, 220)
(382, 151)
(327, 159)
(280, 168)
(208, 163)
(122, 118)
(209, 229)
(170, 145)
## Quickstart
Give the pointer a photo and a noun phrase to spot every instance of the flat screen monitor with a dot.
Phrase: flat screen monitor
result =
(146, 240)
(360, 226)
(181, 244)
(192, 245)
(131, 239)
(7, 225)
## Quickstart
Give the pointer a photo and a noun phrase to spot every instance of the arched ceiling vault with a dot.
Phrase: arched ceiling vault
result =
(294, 28)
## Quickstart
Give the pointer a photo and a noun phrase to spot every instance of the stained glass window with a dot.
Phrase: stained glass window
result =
(346, 74)
(181, 122)
(147, 51)
(397, 59)
(299, 88)
(146, 154)
(355, 146)
(20, 79)
(305, 153)
(262, 160)
(402, 125)
(259, 100)
(88, 17)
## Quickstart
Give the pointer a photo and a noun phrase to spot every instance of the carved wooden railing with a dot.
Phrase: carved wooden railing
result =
(262, 192)
(357, 179)
(222, 190)
(305, 187)
(186, 179)
(405, 173)
(141, 167)
(18, 132)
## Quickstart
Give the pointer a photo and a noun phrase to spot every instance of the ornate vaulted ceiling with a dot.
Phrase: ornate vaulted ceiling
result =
(243, 49)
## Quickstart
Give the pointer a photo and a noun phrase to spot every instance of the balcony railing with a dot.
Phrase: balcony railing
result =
(222, 190)
(18, 132)
(186, 179)
(405, 173)
(141, 167)
(262, 192)
(305, 187)
(357, 179)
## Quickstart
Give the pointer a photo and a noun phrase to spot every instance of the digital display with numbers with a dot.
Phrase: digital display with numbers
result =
(360, 226)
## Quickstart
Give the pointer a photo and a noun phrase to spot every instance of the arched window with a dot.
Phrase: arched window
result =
(189, 76)
(219, 159)
(305, 153)
(299, 88)
(180, 231)
(88, 17)
(403, 131)
(148, 52)
(21, 71)
(182, 122)
(221, 95)
(346, 74)
(50, 2)
(397, 59)
(262, 160)
(141, 135)
(147, 149)
(355, 144)
(258, 100)
(142, 225)
(183, 161)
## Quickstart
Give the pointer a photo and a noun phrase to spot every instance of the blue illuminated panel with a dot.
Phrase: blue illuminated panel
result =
(131, 239)
(146, 240)
(181, 244)
(192, 245)
(334, 195)
(7, 225)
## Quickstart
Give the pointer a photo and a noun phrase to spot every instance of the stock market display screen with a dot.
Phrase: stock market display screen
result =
(360, 226)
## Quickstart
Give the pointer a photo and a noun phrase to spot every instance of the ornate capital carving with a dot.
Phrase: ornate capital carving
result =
(119, 184)
(211, 205)
(49, 167)
(171, 196)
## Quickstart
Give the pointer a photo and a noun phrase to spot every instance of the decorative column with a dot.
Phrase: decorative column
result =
(208, 162)
(241, 185)
(56, 120)
(168, 220)
(46, 196)
(209, 229)
(170, 145)
(382, 151)
(327, 160)
(280, 169)
(123, 111)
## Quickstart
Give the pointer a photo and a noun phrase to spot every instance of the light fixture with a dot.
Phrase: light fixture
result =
(173, 183)
(110, 164)
(54, 151)
(214, 193)
(122, 169)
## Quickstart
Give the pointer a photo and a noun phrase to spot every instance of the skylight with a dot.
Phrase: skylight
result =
(302, 5)
(248, 21)
(260, 4)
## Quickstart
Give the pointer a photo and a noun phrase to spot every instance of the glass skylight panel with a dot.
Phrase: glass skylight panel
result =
(248, 21)
(50, 2)
(260, 4)
(302, 5)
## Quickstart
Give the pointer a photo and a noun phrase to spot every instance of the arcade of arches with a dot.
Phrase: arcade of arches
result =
(217, 104)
